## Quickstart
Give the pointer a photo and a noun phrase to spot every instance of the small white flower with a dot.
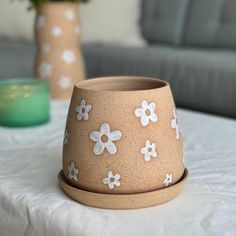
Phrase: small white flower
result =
(112, 180)
(73, 172)
(83, 110)
(56, 31)
(77, 30)
(175, 125)
(68, 56)
(149, 151)
(66, 137)
(45, 48)
(40, 22)
(65, 82)
(45, 70)
(168, 179)
(69, 14)
(147, 113)
(104, 139)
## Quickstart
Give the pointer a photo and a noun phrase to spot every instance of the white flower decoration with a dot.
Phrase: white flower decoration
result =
(45, 48)
(77, 30)
(112, 180)
(147, 113)
(56, 31)
(105, 139)
(66, 137)
(40, 22)
(168, 179)
(68, 56)
(73, 172)
(83, 110)
(175, 125)
(45, 70)
(69, 14)
(65, 82)
(149, 151)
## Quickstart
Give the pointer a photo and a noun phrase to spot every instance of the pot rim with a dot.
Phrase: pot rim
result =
(106, 84)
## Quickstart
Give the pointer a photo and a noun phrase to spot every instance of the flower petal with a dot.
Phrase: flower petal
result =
(117, 176)
(153, 146)
(144, 104)
(98, 148)
(85, 116)
(105, 128)
(152, 106)
(95, 136)
(154, 154)
(148, 144)
(110, 175)
(79, 116)
(174, 113)
(111, 148)
(173, 123)
(111, 185)
(147, 156)
(116, 183)
(139, 112)
(153, 117)
(115, 135)
(144, 150)
(106, 181)
(82, 103)
(88, 108)
(144, 120)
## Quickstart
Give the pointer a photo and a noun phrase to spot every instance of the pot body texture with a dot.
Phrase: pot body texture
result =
(58, 55)
(122, 136)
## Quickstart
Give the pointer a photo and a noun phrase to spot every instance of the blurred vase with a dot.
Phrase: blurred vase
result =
(58, 54)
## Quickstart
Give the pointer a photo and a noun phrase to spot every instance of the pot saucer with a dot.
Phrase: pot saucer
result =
(122, 201)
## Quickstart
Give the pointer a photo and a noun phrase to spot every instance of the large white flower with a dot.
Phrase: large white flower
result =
(175, 125)
(149, 151)
(83, 110)
(168, 179)
(64, 82)
(146, 113)
(66, 137)
(68, 56)
(56, 31)
(73, 171)
(45, 70)
(40, 22)
(112, 180)
(69, 14)
(104, 139)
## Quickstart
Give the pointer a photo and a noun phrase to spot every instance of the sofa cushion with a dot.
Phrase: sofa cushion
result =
(211, 23)
(162, 21)
(200, 79)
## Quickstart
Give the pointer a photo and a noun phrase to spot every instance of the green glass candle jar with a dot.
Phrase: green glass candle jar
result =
(24, 102)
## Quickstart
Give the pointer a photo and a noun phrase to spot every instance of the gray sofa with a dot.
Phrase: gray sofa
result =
(190, 43)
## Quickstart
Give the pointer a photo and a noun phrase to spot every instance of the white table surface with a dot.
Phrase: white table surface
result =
(31, 202)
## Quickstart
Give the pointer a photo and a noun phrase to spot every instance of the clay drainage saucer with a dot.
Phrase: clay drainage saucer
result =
(122, 201)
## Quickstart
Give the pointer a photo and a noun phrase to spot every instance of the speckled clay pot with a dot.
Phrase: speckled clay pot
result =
(58, 55)
(122, 142)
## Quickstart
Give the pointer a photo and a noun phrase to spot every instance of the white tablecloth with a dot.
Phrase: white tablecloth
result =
(31, 202)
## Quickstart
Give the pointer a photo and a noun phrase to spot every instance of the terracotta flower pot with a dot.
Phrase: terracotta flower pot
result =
(122, 146)
(58, 55)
